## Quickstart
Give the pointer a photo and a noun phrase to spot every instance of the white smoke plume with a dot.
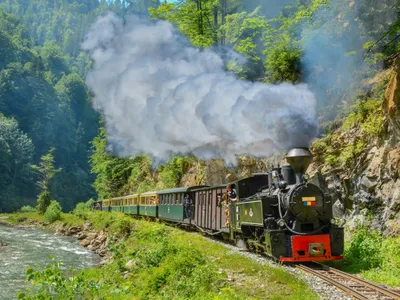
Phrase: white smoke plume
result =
(161, 96)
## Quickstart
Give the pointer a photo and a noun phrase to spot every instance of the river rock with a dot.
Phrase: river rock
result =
(81, 235)
(85, 243)
(91, 236)
(73, 230)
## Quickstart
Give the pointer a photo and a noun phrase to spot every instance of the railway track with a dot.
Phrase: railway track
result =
(352, 285)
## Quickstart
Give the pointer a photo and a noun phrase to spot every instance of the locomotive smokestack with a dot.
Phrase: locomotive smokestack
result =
(299, 159)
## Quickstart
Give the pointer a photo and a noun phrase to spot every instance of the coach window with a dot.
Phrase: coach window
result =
(181, 198)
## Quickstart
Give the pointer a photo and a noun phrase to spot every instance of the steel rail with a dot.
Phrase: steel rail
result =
(349, 288)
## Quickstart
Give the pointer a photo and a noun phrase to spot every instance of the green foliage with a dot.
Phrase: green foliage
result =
(192, 18)
(372, 256)
(53, 212)
(120, 176)
(81, 209)
(51, 281)
(154, 261)
(44, 201)
(16, 152)
(47, 100)
(283, 61)
(171, 173)
(364, 249)
(46, 170)
(27, 209)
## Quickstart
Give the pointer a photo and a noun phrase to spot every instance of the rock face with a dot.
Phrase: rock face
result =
(391, 104)
(374, 183)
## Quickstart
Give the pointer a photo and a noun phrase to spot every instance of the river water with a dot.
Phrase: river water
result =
(31, 246)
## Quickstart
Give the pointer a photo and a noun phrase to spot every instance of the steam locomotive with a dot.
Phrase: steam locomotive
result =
(278, 213)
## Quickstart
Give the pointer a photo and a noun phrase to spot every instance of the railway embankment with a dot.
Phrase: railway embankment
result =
(151, 260)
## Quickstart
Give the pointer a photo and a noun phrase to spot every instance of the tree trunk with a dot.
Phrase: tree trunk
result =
(215, 14)
(223, 16)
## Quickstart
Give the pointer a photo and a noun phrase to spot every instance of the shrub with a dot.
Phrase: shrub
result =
(364, 250)
(81, 209)
(53, 212)
(43, 202)
(27, 209)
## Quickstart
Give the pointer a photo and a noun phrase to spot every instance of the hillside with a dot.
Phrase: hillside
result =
(339, 48)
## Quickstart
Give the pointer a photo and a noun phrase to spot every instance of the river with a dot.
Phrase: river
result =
(30, 247)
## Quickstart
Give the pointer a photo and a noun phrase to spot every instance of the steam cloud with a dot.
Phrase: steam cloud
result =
(161, 96)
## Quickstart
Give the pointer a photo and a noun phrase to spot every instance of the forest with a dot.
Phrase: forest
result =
(46, 106)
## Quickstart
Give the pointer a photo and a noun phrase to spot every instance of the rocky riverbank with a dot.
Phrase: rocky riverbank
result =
(24, 247)
(94, 240)
(148, 260)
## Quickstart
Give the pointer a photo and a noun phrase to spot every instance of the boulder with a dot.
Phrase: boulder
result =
(73, 230)
(81, 235)
(91, 236)
(85, 243)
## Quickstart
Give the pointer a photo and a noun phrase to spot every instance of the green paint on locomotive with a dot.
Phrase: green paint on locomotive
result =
(171, 212)
(248, 213)
(150, 211)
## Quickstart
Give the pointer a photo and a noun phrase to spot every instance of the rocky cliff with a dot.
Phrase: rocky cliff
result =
(359, 163)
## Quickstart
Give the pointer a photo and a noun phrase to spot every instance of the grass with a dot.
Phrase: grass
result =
(371, 256)
(167, 262)
(153, 261)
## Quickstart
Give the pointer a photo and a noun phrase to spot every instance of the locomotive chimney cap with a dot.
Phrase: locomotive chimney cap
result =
(299, 159)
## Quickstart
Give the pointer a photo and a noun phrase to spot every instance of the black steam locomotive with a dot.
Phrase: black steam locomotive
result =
(296, 216)
(279, 213)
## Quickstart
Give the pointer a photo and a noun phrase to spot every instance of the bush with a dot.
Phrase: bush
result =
(364, 250)
(81, 209)
(27, 209)
(53, 212)
(43, 202)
